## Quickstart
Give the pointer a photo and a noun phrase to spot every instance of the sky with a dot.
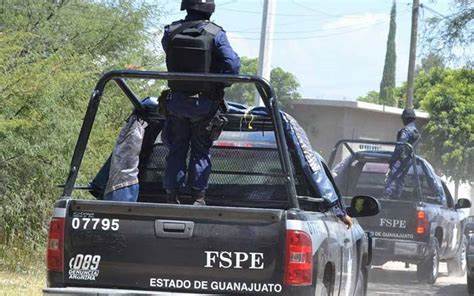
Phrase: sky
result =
(335, 48)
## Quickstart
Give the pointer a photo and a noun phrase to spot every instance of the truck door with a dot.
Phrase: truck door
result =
(347, 246)
(349, 260)
(454, 223)
(434, 193)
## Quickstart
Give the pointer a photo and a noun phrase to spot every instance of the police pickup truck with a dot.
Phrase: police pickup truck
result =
(423, 227)
(269, 227)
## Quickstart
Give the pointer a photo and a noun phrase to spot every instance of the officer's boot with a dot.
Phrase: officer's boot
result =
(172, 197)
(199, 198)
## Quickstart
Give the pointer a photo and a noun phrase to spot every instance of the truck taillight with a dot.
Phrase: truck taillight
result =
(422, 222)
(55, 251)
(299, 259)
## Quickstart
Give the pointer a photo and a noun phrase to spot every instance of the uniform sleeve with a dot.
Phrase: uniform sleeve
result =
(403, 136)
(230, 60)
(165, 39)
(339, 209)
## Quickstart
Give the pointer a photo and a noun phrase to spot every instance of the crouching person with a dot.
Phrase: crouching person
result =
(122, 183)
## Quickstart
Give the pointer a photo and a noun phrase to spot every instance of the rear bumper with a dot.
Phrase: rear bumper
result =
(385, 250)
(105, 292)
(69, 291)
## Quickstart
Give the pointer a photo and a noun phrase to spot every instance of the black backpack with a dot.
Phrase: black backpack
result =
(190, 51)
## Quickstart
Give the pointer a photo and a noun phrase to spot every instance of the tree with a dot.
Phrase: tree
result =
(388, 79)
(285, 84)
(371, 97)
(447, 34)
(430, 61)
(51, 54)
(427, 74)
(244, 93)
(449, 139)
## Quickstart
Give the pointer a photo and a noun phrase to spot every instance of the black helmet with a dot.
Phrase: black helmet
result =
(408, 115)
(206, 6)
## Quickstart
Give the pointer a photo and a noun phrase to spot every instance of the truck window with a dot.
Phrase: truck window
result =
(368, 178)
(449, 197)
(245, 168)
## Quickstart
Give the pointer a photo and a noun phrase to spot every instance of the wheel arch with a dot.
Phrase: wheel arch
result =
(329, 277)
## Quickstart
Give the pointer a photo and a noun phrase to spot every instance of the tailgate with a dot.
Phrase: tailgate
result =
(174, 248)
(396, 220)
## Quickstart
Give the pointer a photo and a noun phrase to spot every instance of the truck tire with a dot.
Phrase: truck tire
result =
(428, 270)
(457, 265)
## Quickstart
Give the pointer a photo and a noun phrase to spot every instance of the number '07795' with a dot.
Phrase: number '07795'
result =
(95, 224)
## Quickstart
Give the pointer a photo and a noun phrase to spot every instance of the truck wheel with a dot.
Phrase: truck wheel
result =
(470, 283)
(457, 265)
(428, 270)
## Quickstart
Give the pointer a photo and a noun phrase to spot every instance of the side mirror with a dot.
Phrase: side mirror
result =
(463, 203)
(363, 206)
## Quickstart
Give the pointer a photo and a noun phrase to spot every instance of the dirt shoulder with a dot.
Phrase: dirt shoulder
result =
(26, 283)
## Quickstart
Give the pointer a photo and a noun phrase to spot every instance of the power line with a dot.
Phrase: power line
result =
(318, 36)
(314, 9)
(335, 29)
(259, 12)
(424, 6)
(294, 32)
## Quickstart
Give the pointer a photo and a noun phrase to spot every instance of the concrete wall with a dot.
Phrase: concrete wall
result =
(326, 122)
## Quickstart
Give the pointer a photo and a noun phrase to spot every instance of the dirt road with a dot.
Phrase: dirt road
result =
(393, 280)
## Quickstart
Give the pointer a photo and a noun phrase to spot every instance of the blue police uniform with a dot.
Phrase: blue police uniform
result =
(401, 161)
(185, 126)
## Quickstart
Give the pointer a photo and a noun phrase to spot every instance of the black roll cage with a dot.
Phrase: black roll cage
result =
(412, 148)
(264, 89)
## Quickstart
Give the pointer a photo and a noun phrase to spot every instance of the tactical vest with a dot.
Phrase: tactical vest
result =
(190, 51)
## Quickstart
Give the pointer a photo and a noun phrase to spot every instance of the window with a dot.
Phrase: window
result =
(449, 197)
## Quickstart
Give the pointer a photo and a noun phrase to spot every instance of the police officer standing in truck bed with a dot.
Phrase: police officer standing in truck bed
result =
(193, 45)
(401, 158)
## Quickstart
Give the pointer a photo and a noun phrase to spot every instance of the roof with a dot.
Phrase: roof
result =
(357, 105)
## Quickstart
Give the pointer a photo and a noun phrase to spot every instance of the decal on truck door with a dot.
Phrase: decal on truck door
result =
(84, 267)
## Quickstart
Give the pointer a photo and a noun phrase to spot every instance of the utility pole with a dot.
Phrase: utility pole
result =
(412, 61)
(266, 36)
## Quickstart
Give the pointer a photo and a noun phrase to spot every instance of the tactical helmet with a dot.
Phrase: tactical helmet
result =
(206, 6)
(408, 115)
